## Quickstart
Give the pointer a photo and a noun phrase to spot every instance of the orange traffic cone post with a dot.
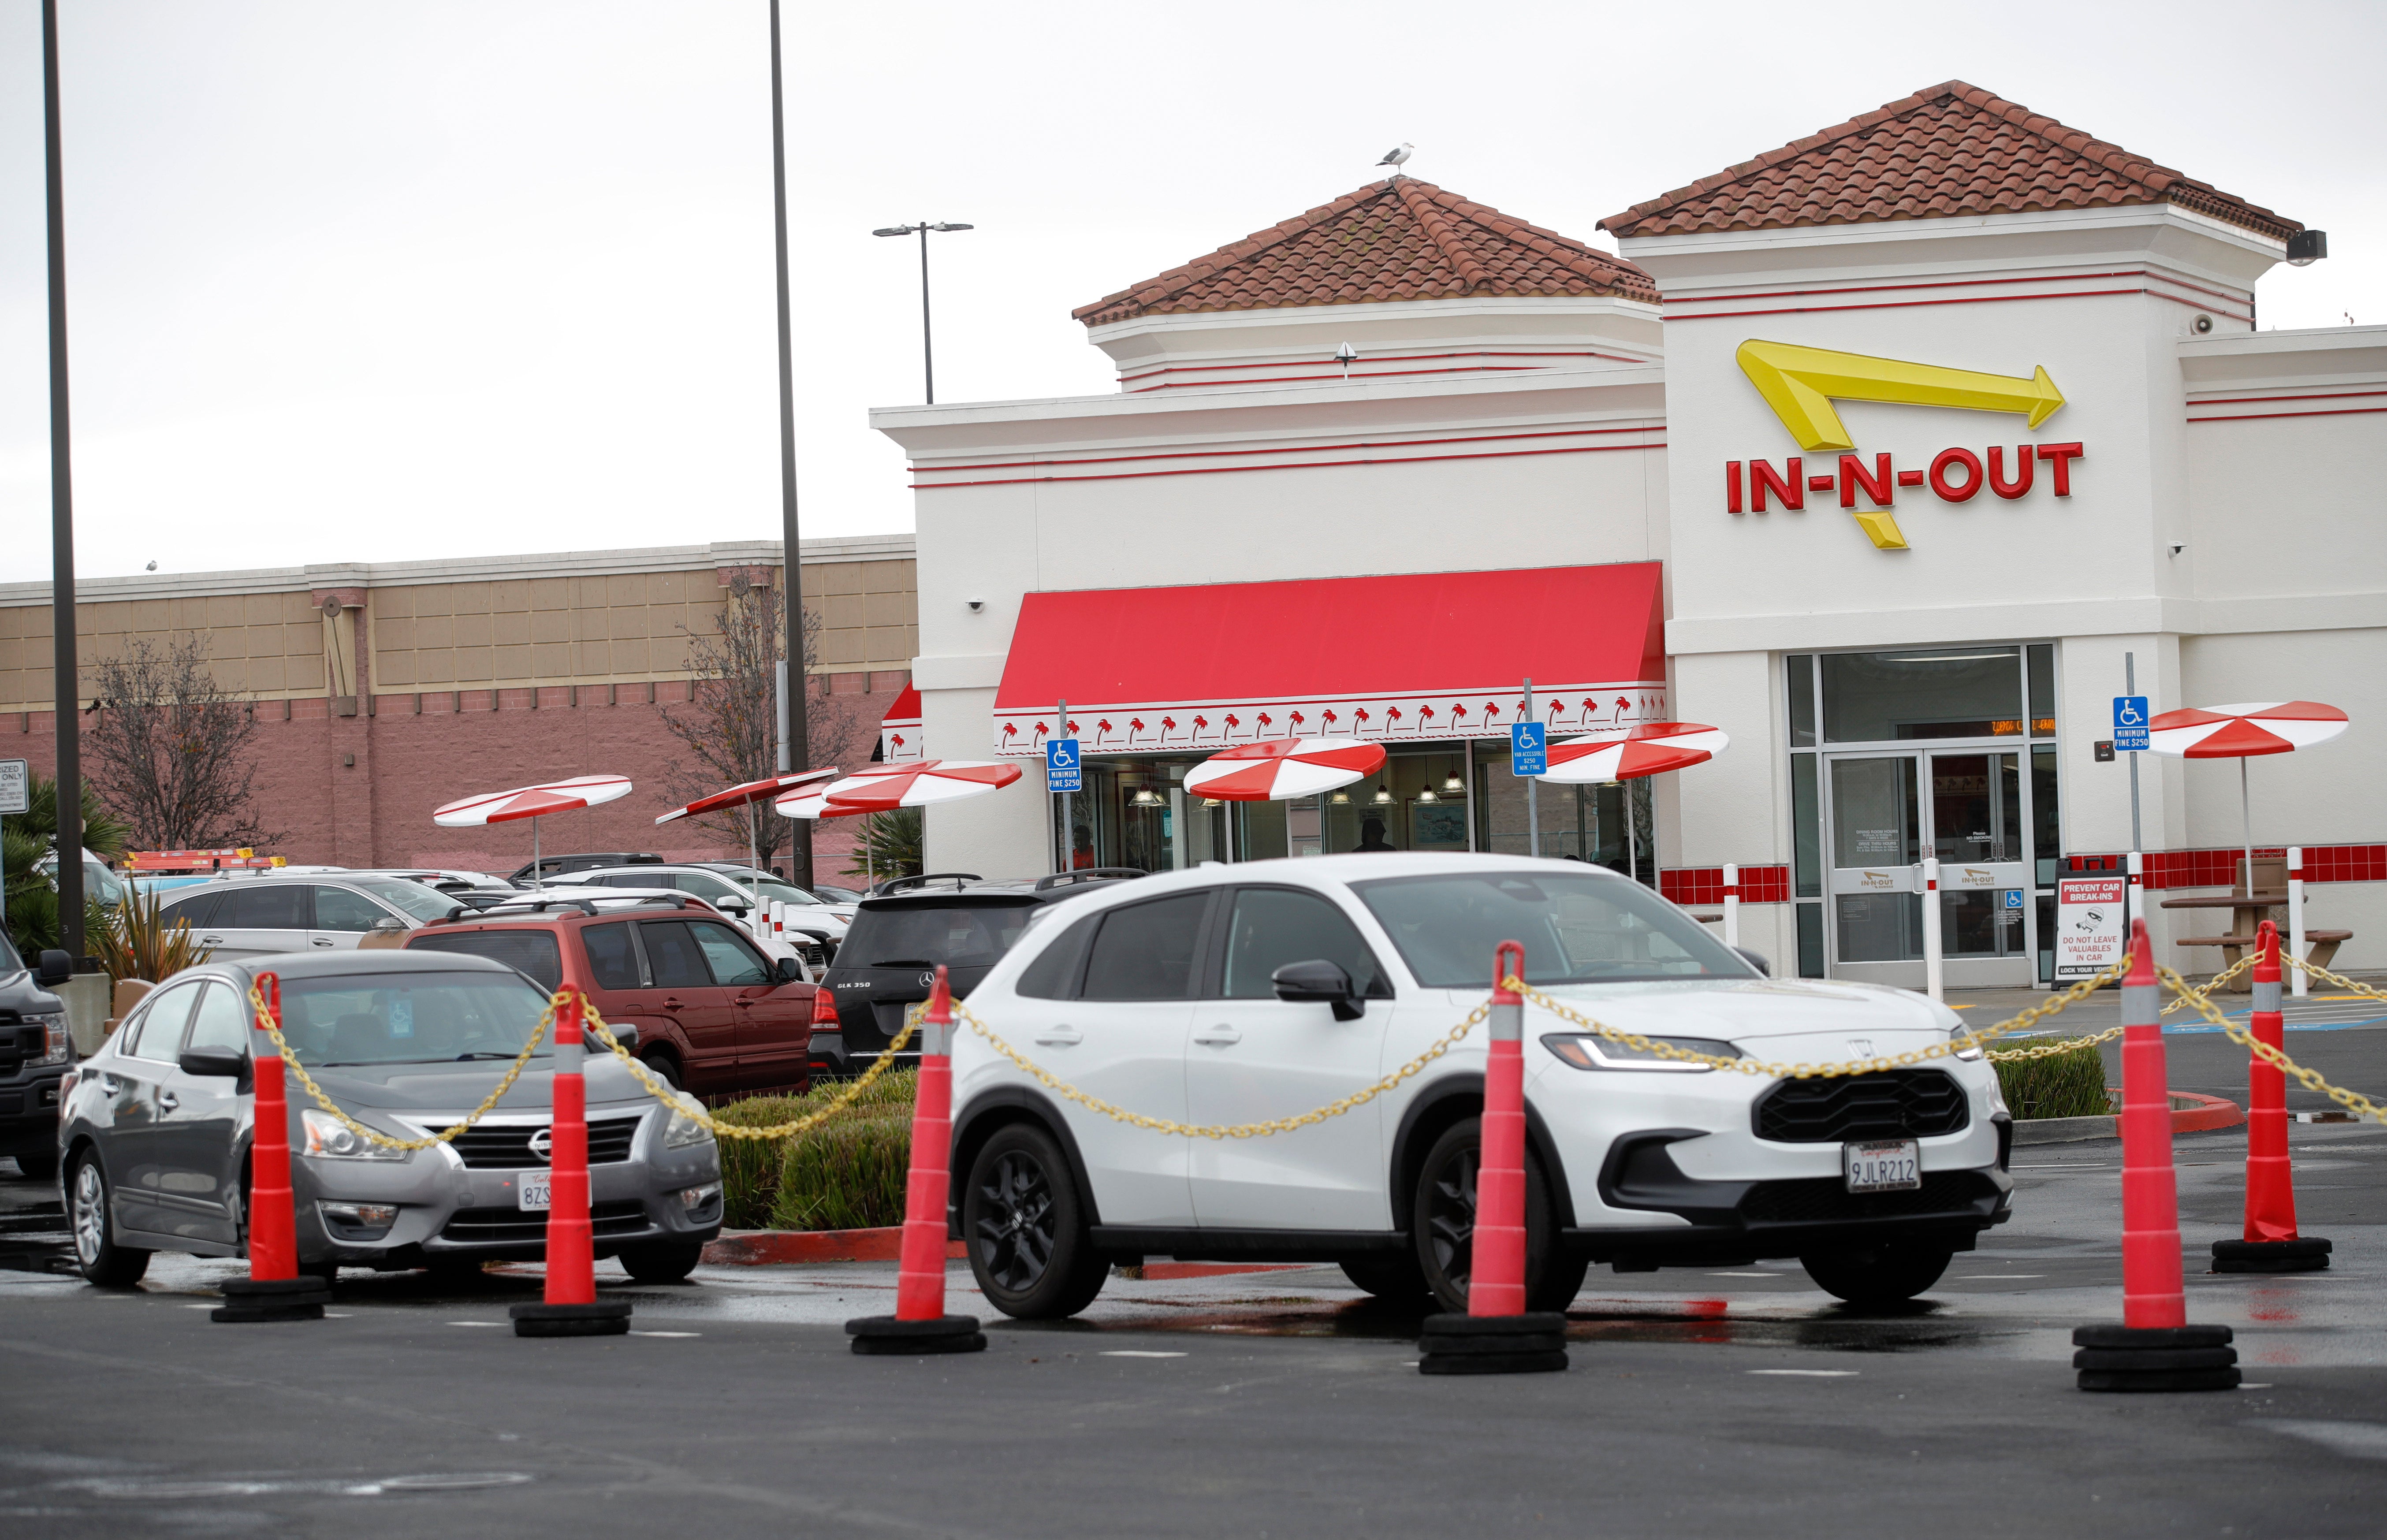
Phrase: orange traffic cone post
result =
(2271, 1243)
(919, 1324)
(570, 1307)
(274, 1288)
(2155, 1348)
(1497, 1334)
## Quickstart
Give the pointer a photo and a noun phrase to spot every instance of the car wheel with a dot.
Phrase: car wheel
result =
(1392, 1275)
(1874, 1276)
(1443, 1224)
(1030, 1246)
(40, 1165)
(664, 1068)
(101, 1259)
(667, 1262)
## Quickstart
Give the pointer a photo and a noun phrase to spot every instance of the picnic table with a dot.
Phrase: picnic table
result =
(2248, 912)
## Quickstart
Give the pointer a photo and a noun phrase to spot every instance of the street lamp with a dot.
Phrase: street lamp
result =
(927, 353)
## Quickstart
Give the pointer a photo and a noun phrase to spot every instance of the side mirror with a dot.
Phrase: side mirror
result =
(54, 967)
(1756, 960)
(787, 970)
(230, 1063)
(1320, 982)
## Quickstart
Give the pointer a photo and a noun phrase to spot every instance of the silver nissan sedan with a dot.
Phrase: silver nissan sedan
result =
(154, 1130)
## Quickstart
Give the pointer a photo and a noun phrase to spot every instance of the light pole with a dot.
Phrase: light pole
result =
(65, 674)
(795, 734)
(928, 352)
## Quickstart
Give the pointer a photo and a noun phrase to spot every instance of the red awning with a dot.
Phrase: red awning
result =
(899, 731)
(1426, 655)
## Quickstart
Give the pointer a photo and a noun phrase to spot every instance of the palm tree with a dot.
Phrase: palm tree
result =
(29, 837)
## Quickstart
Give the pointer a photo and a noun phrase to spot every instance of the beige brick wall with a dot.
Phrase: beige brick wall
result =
(503, 633)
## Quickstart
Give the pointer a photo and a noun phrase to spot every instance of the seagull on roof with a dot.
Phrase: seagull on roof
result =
(1397, 158)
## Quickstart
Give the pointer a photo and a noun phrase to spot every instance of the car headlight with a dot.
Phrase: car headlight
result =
(328, 1139)
(684, 1130)
(57, 1044)
(1969, 1054)
(1586, 1051)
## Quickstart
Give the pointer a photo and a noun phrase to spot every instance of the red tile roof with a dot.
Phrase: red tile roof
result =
(1401, 239)
(1947, 149)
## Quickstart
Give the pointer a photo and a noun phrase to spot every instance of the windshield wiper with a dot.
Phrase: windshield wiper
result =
(484, 1053)
(900, 962)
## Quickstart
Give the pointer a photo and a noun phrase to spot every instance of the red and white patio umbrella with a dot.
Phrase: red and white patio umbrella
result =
(921, 783)
(1278, 768)
(1651, 749)
(2241, 732)
(533, 802)
(746, 796)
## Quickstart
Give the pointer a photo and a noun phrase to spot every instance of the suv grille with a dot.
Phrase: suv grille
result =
(513, 1227)
(1825, 1199)
(1897, 1104)
(506, 1147)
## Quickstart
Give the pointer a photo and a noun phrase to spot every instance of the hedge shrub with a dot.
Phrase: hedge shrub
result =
(2061, 1085)
(846, 1173)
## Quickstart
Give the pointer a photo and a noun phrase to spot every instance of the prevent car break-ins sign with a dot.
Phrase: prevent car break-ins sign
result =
(2088, 925)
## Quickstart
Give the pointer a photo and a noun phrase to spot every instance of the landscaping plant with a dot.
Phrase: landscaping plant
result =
(2069, 1084)
(133, 941)
(835, 1176)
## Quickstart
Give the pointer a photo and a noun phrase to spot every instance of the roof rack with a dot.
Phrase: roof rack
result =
(897, 884)
(1089, 874)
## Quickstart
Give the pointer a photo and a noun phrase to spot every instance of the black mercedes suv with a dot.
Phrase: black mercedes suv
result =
(903, 930)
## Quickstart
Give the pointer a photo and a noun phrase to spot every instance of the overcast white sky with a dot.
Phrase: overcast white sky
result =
(376, 281)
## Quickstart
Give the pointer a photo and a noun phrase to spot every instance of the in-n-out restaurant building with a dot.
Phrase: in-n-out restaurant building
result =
(1879, 451)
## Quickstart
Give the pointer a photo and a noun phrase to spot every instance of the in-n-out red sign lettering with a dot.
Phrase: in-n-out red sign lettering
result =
(1955, 475)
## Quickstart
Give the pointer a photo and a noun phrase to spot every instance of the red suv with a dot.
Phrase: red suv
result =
(712, 1015)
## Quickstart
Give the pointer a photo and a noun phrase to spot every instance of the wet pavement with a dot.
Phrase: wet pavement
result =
(1276, 1402)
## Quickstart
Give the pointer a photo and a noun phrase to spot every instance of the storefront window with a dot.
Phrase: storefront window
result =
(1807, 836)
(1800, 667)
(1954, 692)
(2042, 690)
(2047, 839)
(1578, 822)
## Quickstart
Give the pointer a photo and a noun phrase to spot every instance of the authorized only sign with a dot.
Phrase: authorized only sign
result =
(2088, 925)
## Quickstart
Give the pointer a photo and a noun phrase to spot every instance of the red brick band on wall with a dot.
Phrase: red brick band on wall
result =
(1703, 886)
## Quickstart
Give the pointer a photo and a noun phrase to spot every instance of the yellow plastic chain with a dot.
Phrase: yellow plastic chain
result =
(688, 1107)
(375, 1136)
(2309, 1080)
(1226, 1130)
(2047, 1050)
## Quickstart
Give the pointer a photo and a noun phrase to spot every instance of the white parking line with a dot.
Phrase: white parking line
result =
(637, 1334)
(476, 1323)
(1810, 1374)
(1749, 1275)
(1976, 1277)
(1135, 1353)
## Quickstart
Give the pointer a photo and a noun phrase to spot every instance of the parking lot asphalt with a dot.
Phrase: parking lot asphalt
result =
(1721, 1402)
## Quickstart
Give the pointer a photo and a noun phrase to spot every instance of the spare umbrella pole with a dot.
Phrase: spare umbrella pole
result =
(2246, 816)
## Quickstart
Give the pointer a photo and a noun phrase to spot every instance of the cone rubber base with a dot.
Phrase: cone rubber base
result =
(2129, 1358)
(2307, 1254)
(604, 1317)
(887, 1335)
(1530, 1343)
(255, 1299)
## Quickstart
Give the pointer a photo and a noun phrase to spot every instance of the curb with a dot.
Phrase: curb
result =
(2190, 1113)
(764, 1248)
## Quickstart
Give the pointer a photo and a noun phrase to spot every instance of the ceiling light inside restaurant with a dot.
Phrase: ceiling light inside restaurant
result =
(1383, 798)
(1342, 798)
(1452, 786)
(1144, 796)
(1426, 793)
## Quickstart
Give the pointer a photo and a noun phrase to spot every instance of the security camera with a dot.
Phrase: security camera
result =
(2204, 324)
(975, 604)
(2178, 546)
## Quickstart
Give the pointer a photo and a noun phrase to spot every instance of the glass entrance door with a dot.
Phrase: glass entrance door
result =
(1883, 814)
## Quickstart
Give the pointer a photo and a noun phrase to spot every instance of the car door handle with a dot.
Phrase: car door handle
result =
(1219, 1036)
(670, 1003)
(169, 1100)
(744, 1004)
(212, 940)
(325, 941)
(1060, 1036)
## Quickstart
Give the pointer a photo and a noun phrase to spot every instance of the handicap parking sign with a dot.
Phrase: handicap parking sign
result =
(2129, 723)
(2014, 898)
(1062, 770)
(1528, 749)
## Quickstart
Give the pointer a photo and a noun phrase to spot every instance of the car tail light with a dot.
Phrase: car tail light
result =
(824, 1007)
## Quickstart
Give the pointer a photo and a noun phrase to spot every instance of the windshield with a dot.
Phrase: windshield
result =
(1576, 929)
(773, 890)
(409, 1018)
(9, 961)
(423, 902)
(959, 936)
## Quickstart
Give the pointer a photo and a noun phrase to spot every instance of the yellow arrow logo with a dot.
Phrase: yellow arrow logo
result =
(1800, 383)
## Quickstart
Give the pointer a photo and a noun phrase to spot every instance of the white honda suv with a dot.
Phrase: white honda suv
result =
(1240, 994)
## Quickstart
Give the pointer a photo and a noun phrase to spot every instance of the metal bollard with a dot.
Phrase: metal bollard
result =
(274, 1289)
(2271, 1243)
(569, 1306)
(2155, 1348)
(1731, 904)
(919, 1324)
(1497, 1335)
(1934, 969)
(2303, 986)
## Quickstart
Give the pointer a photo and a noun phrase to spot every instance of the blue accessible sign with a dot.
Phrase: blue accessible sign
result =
(2129, 723)
(1528, 749)
(1062, 770)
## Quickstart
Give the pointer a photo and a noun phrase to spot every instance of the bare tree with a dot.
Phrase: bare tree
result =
(175, 751)
(730, 730)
